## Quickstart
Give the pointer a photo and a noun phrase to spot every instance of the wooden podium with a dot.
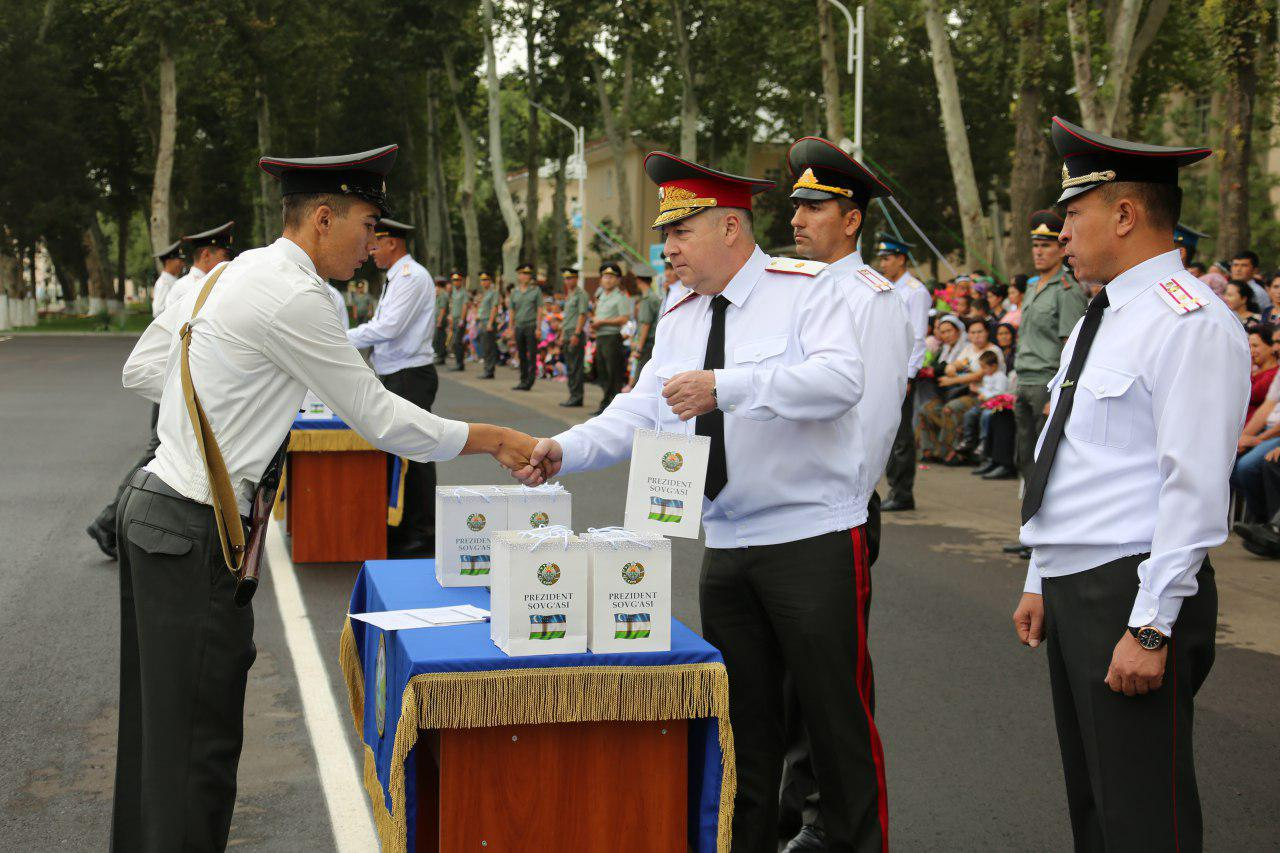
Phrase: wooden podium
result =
(336, 510)
(568, 787)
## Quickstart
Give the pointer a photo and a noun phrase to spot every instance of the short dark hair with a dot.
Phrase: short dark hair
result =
(988, 358)
(1162, 202)
(846, 205)
(1196, 265)
(296, 207)
(1020, 282)
(1247, 255)
(1250, 301)
(1264, 331)
(977, 322)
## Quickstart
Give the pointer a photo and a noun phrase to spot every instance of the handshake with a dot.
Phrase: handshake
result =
(532, 461)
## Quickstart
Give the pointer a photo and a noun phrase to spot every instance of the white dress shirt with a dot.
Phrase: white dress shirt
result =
(184, 285)
(919, 303)
(160, 293)
(1145, 459)
(339, 305)
(265, 335)
(404, 321)
(792, 377)
(887, 341)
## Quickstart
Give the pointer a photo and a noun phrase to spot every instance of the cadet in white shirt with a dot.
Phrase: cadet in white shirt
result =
(264, 335)
(892, 254)
(830, 195)
(760, 357)
(1128, 493)
(170, 268)
(400, 334)
(208, 249)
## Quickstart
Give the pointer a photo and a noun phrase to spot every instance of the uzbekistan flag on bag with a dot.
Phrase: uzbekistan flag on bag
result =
(666, 509)
(474, 564)
(630, 626)
(548, 626)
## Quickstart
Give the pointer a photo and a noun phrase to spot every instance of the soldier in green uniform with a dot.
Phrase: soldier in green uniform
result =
(443, 292)
(613, 310)
(572, 340)
(648, 307)
(458, 302)
(526, 319)
(487, 321)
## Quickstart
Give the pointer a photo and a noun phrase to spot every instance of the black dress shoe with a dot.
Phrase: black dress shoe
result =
(1263, 535)
(457, 368)
(571, 404)
(989, 465)
(1013, 549)
(1260, 550)
(1000, 472)
(1024, 552)
(894, 505)
(104, 539)
(486, 376)
(414, 548)
(810, 838)
(521, 387)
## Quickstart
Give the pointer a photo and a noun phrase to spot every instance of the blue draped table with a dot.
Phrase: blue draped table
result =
(455, 677)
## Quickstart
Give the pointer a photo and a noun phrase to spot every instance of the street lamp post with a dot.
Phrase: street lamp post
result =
(854, 65)
(578, 167)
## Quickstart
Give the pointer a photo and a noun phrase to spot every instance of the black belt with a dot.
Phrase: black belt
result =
(145, 481)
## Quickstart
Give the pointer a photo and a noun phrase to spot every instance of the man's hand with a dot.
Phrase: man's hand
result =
(544, 463)
(689, 394)
(1028, 619)
(514, 448)
(1246, 442)
(1273, 455)
(1136, 671)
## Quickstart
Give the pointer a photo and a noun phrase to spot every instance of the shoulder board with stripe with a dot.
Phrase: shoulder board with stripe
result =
(796, 266)
(1177, 297)
(688, 297)
(873, 279)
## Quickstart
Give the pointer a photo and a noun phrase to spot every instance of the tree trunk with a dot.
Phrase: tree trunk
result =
(10, 289)
(1104, 108)
(160, 228)
(558, 225)
(972, 222)
(1239, 41)
(268, 188)
(433, 225)
(531, 148)
(99, 283)
(1029, 149)
(830, 72)
(416, 215)
(467, 190)
(122, 251)
(497, 163)
(442, 202)
(617, 129)
(688, 92)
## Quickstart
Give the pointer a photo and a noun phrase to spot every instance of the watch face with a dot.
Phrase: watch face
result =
(1150, 638)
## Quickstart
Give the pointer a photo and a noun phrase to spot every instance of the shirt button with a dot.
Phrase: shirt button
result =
(1150, 613)
(733, 407)
(728, 513)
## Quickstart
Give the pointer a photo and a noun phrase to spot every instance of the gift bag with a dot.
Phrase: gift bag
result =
(628, 591)
(538, 601)
(664, 488)
(466, 516)
(548, 505)
(314, 409)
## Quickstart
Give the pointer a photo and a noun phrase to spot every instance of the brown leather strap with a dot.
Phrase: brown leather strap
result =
(225, 509)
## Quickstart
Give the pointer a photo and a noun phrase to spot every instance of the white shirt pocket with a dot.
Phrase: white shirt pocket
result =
(759, 351)
(1103, 409)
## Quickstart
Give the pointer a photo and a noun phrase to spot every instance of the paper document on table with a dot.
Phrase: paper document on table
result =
(423, 617)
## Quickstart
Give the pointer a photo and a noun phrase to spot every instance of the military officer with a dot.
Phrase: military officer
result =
(830, 195)
(404, 360)
(170, 259)
(443, 297)
(1128, 494)
(259, 335)
(573, 340)
(487, 321)
(648, 307)
(459, 301)
(526, 320)
(892, 254)
(784, 503)
(613, 310)
(208, 249)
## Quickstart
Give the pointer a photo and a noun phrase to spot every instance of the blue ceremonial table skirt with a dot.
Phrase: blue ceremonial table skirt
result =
(452, 677)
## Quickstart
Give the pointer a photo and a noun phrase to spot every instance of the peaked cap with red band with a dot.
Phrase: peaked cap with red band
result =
(1091, 159)
(823, 171)
(362, 175)
(686, 188)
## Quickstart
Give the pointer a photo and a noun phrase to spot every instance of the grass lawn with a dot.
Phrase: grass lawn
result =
(133, 322)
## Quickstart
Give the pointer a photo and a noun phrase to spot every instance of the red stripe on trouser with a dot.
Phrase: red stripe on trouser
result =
(862, 587)
(1173, 690)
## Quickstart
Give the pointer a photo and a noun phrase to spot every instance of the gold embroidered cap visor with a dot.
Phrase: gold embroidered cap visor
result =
(1046, 225)
(1091, 159)
(685, 188)
(823, 171)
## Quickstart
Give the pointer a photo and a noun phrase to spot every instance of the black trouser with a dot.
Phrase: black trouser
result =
(901, 469)
(460, 344)
(646, 353)
(527, 350)
(185, 654)
(1002, 439)
(439, 343)
(800, 802)
(106, 519)
(799, 609)
(1030, 416)
(573, 367)
(489, 350)
(418, 385)
(611, 366)
(1128, 763)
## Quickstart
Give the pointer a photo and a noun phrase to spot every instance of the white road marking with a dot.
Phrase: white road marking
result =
(340, 778)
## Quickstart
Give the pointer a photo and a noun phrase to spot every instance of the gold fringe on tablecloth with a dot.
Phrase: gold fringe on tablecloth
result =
(326, 440)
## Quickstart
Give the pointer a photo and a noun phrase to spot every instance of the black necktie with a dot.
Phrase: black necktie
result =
(712, 423)
(1066, 398)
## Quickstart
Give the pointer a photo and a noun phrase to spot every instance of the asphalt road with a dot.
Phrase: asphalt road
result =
(963, 710)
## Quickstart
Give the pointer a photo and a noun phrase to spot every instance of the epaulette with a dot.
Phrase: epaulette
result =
(873, 279)
(1177, 297)
(796, 266)
(688, 297)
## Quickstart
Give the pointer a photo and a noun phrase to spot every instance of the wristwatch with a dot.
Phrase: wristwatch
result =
(1148, 637)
